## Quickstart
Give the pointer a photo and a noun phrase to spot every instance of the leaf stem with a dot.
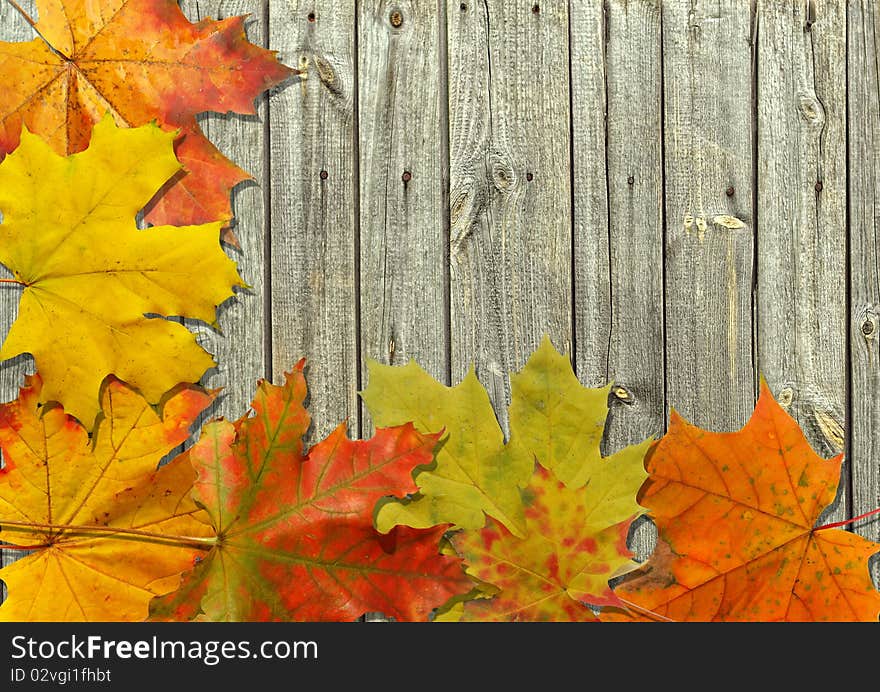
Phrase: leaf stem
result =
(847, 521)
(12, 546)
(205, 542)
(12, 281)
(24, 14)
(649, 613)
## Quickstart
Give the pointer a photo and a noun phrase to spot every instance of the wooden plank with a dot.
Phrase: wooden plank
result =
(510, 194)
(801, 294)
(13, 28)
(707, 72)
(403, 188)
(313, 173)
(635, 187)
(591, 254)
(402, 139)
(863, 77)
(238, 345)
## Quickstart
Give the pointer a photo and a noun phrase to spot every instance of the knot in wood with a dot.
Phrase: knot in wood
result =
(622, 394)
(811, 110)
(396, 19)
(327, 74)
(503, 176)
(868, 327)
(786, 396)
(458, 202)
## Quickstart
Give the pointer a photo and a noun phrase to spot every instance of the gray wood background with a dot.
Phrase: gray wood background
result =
(682, 194)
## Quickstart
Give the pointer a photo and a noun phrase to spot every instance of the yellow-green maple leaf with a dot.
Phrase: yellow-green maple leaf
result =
(559, 422)
(475, 473)
(554, 420)
(93, 282)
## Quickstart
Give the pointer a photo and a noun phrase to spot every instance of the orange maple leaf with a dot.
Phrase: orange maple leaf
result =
(736, 515)
(142, 61)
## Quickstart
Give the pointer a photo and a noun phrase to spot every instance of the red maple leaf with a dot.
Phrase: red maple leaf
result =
(295, 533)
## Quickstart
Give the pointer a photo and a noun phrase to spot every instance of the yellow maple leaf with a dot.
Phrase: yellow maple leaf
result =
(95, 286)
(105, 530)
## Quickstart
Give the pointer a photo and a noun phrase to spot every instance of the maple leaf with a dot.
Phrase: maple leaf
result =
(105, 529)
(575, 543)
(144, 61)
(736, 517)
(476, 473)
(296, 539)
(553, 419)
(90, 276)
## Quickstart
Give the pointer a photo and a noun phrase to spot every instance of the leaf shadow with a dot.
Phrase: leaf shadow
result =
(410, 497)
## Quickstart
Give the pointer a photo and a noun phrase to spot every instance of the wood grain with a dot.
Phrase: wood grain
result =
(510, 187)
(403, 235)
(801, 253)
(707, 90)
(237, 345)
(863, 95)
(635, 186)
(683, 194)
(313, 208)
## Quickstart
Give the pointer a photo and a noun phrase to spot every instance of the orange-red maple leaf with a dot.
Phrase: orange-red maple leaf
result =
(736, 515)
(142, 61)
(296, 539)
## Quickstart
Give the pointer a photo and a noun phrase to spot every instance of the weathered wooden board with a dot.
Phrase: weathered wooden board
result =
(313, 208)
(402, 140)
(591, 258)
(708, 164)
(237, 346)
(801, 220)
(403, 149)
(863, 96)
(635, 188)
(510, 186)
